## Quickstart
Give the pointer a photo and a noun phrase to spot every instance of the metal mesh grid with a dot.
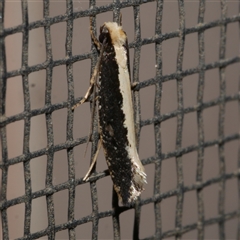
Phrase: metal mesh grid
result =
(159, 79)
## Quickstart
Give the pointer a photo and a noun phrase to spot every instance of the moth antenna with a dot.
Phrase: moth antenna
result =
(94, 38)
(120, 19)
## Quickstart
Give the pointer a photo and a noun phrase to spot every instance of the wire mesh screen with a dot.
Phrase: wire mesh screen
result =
(185, 64)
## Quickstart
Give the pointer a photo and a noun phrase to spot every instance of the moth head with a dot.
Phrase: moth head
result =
(112, 33)
(104, 35)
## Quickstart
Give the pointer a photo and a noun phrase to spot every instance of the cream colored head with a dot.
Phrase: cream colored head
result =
(118, 36)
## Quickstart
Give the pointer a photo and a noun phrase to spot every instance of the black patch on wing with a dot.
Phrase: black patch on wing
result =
(111, 120)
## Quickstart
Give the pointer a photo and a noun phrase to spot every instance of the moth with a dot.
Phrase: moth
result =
(115, 112)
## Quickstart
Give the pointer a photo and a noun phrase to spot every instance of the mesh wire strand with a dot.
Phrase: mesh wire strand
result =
(156, 121)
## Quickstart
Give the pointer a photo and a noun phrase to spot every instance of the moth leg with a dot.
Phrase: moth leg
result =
(92, 117)
(96, 69)
(93, 80)
(92, 83)
(98, 85)
(133, 85)
(93, 161)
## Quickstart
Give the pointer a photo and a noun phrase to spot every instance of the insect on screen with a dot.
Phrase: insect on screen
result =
(184, 68)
